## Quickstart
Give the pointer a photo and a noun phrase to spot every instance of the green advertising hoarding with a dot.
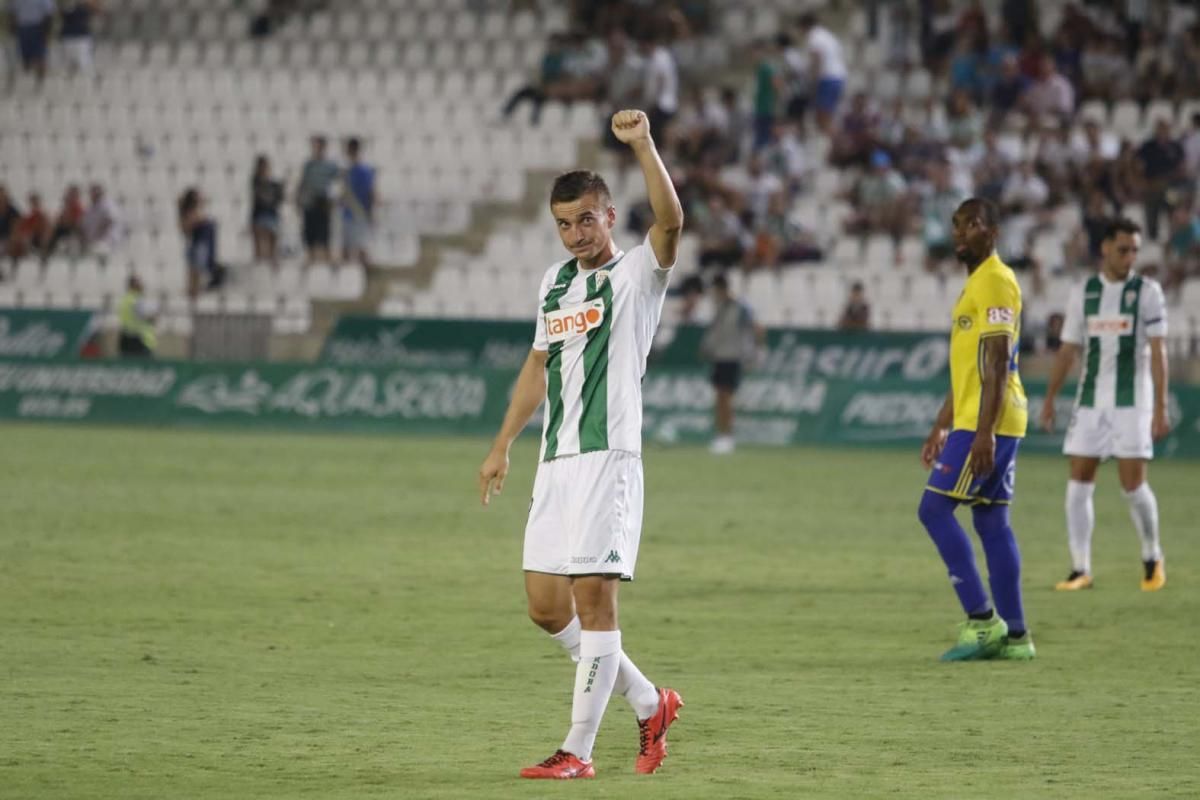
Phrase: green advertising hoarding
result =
(40, 333)
(773, 408)
(459, 344)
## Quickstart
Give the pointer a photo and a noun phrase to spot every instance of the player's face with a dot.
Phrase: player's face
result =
(974, 240)
(1120, 252)
(585, 225)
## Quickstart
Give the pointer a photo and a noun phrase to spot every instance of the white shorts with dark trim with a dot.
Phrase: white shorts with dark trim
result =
(1110, 432)
(585, 517)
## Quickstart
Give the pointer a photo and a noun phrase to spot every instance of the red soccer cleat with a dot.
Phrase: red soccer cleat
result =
(653, 732)
(561, 766)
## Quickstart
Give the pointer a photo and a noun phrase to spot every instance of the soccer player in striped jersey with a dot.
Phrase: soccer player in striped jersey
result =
(1118, 320)
(597, 313)
(971, 451)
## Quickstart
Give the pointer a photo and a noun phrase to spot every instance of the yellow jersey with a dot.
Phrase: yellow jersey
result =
(990, 305)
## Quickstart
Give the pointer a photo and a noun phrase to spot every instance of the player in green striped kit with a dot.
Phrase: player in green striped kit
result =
(1118, 319)
(597, 313)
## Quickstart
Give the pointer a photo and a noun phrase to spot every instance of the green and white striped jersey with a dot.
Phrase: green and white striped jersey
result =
(1113, 322)
(597, 326)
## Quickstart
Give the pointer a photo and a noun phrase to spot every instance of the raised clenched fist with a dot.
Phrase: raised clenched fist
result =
(630, 126)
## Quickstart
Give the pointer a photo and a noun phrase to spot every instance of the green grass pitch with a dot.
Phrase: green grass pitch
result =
(265, 616)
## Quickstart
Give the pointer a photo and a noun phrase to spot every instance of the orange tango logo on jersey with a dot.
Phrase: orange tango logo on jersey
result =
(575, 321)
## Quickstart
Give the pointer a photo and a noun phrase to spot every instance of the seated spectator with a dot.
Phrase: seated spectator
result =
(1126, 180)
(1050, 95)
(938, 205)
(856, 315)
(10, 215)
(69, 225)
(754, 186)
(102, 230)
(785, 156)
(963, 123)
(1183, 244)
(1191, 148)
(992, 167)
(780, 239)
(200, 243)
(722, 235)
(552, 80)
(32, 232)
(1162, 166)
(1083, 249)
(1106, 74)
(858, 134)
(881, 200)
(266, 197)
(1007, 89)
(1024, 191)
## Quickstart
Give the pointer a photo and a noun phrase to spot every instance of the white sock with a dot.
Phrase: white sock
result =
(631, 684)
(568, 637)
(1143, 507)
(1081, 517)
(636, 689)
(599, 659)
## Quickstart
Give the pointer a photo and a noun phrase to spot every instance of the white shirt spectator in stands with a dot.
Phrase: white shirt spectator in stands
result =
(1025, 188)
(662, 81)
(824, 43)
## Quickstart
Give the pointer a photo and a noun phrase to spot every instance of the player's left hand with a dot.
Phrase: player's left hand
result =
(1160, 425)
(983, 455)
(631, 126)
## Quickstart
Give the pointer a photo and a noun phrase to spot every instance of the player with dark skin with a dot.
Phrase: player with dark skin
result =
(974, 243)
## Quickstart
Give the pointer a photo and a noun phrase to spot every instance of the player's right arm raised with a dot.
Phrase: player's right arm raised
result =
(528, 393)
(633, 128)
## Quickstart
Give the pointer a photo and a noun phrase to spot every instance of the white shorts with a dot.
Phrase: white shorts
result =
(586, 515)
(78, 51)
(1105, 432)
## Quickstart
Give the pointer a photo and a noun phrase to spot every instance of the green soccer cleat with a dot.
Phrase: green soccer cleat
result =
(978, 639)
(1017, 649)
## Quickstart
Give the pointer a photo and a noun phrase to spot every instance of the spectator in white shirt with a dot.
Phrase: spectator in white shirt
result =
(661, 88)
(827, 68)
(1050, 95)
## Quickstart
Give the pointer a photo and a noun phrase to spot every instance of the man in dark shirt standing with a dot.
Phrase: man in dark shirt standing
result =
(1162, 158)
(76, 33)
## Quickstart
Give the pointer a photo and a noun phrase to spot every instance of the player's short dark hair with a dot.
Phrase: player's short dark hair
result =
(1119, 225)
(720, 282)
(353, 145)
(807, 20)
(988, 210)
(575, 184)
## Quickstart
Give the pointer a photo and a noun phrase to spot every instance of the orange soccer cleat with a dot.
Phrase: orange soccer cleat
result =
(561, 766)
(653, 732)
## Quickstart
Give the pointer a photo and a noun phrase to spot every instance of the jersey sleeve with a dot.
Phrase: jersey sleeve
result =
(1153, 311)
(1073, 331)
(998, 300)
(649, 276)
(540, 340)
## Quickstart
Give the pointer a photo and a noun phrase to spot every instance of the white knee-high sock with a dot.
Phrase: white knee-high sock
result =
(631, 684)
(599, 659)
(1081, 518)
(568, 637)
(1143, 507)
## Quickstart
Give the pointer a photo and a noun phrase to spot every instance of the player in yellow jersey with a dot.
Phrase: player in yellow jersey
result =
(972, 449)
